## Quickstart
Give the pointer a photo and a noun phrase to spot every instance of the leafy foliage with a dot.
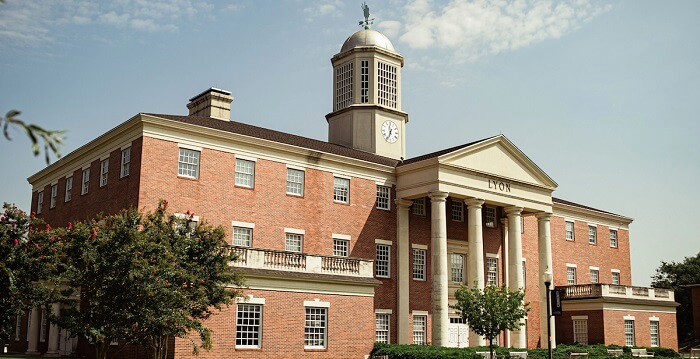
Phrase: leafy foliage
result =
(28, 249)
(491, 310)
(675, 276)
(52, 138)
(145, 278)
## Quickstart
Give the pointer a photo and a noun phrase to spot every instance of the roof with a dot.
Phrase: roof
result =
(441, 152)
(280, 137)
(367, 38)
(569, 203)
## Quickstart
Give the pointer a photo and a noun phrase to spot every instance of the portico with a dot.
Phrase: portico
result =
(490, 173)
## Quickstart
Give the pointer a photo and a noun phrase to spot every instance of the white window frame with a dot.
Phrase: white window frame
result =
(29, 323)
(420, 324)
(419, 261)
(69, 189)
(457, 268)
(384, 197)
(364, 81)
(570, 235)
(42, 327)
(341, 189)
(126, 161)
(615, 273)
(382, 264)
(457, 210)
(341, 245)
(630, 339)
(592, 234)
(655, 340)
(244, 173)
(580, 328)
(382, 331)
(104, 172)
(40, 202)
(594, 273)
(244, 229)
(253, 324)
(54, 194)
(419, 206)
(613, 238)
(490, 217)
(188, 162)
(524, 274)
(315, 330)
(293, 242)
(571, 275)
(295, 181)
(492, 269)
(85, 184)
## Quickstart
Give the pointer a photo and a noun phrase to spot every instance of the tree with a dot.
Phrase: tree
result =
(145, 278)
(675, 276)
(491, 310)
(28, 249)
(52, 139)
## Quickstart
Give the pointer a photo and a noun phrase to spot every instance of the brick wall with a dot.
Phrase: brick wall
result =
(565, 326)
(615, 331)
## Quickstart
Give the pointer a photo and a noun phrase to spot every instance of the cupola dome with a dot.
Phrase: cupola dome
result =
(367, 37)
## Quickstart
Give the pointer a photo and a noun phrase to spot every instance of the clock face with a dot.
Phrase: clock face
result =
(390, 131)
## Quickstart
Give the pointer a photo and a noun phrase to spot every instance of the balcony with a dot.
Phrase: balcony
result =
(256, 258)
(598, 290)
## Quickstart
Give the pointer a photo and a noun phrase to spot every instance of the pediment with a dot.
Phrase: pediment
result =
(499, 157)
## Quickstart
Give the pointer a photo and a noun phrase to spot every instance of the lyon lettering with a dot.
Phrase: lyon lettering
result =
(499, 185)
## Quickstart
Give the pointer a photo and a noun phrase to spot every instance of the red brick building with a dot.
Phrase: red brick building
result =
(347, 242)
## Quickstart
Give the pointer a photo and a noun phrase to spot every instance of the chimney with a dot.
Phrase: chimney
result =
(214, 103)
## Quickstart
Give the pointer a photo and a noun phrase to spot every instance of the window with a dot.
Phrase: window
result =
(419, 206)
(613, 238)
(343, 86)
(522, 224)
(295, 182)
(315, 327)
(457, 211)
(245, 173)
(104, 171)
(54, 194)
(571, 275)
(490, 217)
(18, 327)
(69, 188)
(419, 324)
(188, 163)
(86, 181)
(592, 234)
(383, 197)
(492, 270)
(114, 341)
(341, 247)
(569, 228)
(126, 159)
(524, 274)
(418, 264)
(383, 260)
(387, 85)
(594, 276)
(457, 267)
(341, 190)
(293, 242)
(242, 236)
(42, 327)
(364, 81)
(629, 333)
(581, 331)
(654, 329)
(248, 325)
(616, 278)
(39, 202)
(382, 329)
(29, 323)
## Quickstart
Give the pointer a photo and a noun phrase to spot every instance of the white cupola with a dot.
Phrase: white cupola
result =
(367, 95)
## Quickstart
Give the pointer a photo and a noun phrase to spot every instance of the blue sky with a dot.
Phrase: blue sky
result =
(603, 96)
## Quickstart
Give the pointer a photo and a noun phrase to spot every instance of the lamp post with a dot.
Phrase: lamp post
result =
(547, 278)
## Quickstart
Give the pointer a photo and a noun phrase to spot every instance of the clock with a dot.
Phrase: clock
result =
(390, 131)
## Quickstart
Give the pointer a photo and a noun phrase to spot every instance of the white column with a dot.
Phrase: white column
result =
(544, 240)
(53, 332)
(33, 331)
(475, 266)
(438, 236)
(506, 274)
(404, 273)
(515, 266)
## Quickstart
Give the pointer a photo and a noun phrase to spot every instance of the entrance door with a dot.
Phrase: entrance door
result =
(458, 333)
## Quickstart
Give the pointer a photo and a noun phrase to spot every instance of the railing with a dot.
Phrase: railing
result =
(598, 290)
(301, 262)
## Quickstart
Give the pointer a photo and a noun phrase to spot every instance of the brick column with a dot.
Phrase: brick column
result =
(544, 240)
(476, 255)
(438, 237)
(53, 333)
(515, 266)
(33, 332)
(404, 273)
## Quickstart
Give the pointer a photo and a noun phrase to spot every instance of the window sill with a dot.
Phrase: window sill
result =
(188, 178)
(306, 349)
(243, 187)
(295, 195)
(244, 349)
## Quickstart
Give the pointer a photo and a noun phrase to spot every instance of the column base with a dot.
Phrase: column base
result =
(32, 352)
(52, 354)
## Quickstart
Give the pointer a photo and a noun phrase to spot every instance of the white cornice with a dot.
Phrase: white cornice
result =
(591, 215)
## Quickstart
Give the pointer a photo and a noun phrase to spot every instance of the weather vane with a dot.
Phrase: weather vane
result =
(367, 22)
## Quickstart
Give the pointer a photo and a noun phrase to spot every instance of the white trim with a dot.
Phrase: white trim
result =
(628, 317)
(242, 224)
(579, 317)
(654, 319)
(69, 175)
(491, 255)
(419, 246)
(569, 265)
(345, 237)
(104, 157)
(420, 312)
(383, 241)
(383, 311)
(54, 183)
(294, 231)
(524, 260)
(87, 166)
(615, 270)
(593, 225)
(122, 148)
(335, 174)
(249, 299)
(317, 303)
(189, 147)
(245, 157)
(593, 268)
(296, 167)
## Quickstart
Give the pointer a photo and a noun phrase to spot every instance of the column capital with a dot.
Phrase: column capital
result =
(513, 210)
(403, 203)
(474, 202)
(438, 196)
(543, 216)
